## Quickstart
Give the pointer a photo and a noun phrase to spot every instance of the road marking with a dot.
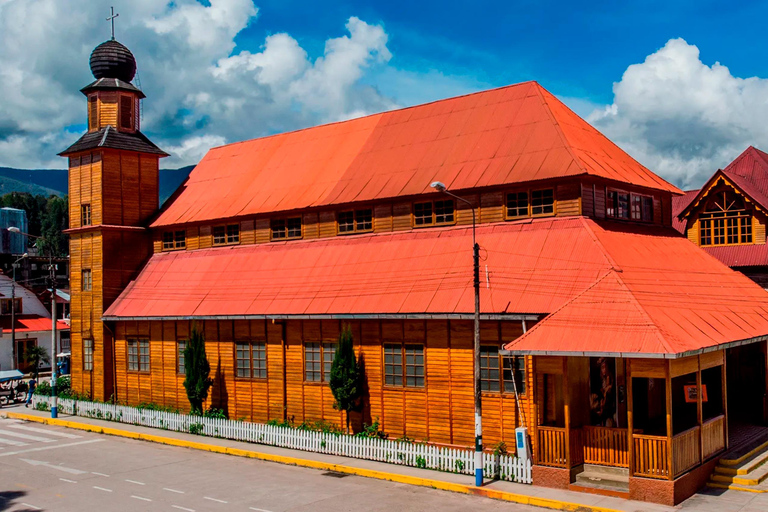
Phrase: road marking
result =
(140, 498)
(100, 474)
(51, 447)
(135, 482)
(12, 443)
(65, 480)
(183, 508)
(102, 488)
(52, 466)
(31, 506)
(21, 426)
(258, 509)
(27, 436)
(173, 490)
(214, 499)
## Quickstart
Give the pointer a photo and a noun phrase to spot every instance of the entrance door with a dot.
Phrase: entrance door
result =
(745, 369)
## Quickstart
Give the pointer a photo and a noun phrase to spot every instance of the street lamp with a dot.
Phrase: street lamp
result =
(52, 270)
(13, 310)
(440, 187)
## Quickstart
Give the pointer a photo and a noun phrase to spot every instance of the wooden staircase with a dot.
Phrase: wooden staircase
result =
(744, 468)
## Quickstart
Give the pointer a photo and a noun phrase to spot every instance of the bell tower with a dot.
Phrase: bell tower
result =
(113, 192)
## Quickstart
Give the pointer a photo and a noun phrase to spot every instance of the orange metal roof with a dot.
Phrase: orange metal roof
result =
(514, 134)
(611, 287)
(32, 323)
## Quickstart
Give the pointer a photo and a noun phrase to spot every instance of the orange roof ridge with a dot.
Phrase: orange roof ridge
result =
(597, 241)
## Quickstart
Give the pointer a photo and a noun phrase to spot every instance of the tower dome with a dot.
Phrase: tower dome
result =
(113, 60)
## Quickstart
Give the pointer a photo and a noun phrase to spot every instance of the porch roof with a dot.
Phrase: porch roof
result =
(663, 297)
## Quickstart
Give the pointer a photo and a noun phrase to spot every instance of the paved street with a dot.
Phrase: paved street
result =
(51, 468)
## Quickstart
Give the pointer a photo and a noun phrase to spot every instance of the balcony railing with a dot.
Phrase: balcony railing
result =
(606, 446)
(651, 457)
(712, 436)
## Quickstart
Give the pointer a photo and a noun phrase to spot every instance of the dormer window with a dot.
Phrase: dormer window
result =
(725, 220)
(433, 213)
(286, 229)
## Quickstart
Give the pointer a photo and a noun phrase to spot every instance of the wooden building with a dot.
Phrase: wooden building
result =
(728, 215)
(272, 245)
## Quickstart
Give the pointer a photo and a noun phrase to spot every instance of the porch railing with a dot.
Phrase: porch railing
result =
(651, 458)
(713, 436)
(686, 452)
(552, 446)
(606, 446)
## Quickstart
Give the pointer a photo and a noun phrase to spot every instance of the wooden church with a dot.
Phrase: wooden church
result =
(604, 320)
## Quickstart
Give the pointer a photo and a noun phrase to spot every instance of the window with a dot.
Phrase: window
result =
(85, 215)
(517, 204)
(410, 374)
(543, 202)
(181, 346)
(226, 235)
(285, 229)
(87, 354)
(93, 112)
(87, 283)
(493, 380)
(725, 220)
(356, 221)
(318, 359)
(126, 112)
(432, 213)
(251, 359)
(174, 240)
(642, 208)
(138, 355)
(5, 306)
(617, 204)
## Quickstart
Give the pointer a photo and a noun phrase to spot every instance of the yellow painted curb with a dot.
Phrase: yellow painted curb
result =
(733, 462)
(738, 480)
(326, 466)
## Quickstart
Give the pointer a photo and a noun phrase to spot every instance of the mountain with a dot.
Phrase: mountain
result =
(54, 181)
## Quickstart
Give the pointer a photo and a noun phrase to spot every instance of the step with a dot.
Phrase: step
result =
(734, 487)
(754, 477)
(607, 480)
(607, 470)
(746, 466)
(742, 453)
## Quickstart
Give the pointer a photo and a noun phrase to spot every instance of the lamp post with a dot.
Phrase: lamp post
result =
(13, 311)
(52, 276)
(440, 187)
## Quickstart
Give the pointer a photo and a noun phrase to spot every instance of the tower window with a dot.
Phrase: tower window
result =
(87, 280)
(85, 215)
(126, 112)
(93, 113)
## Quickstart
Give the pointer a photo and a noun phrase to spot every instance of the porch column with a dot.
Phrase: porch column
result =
(630, 421)
(699, 412)
(668, 379)
(567, 411)
(725, 396)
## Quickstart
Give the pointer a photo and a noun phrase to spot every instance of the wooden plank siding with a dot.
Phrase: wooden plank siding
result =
(442, 411)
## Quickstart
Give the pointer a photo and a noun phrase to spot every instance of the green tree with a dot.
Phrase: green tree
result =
(197, 371)
(34, 355)
(55, 220)
(346, 378)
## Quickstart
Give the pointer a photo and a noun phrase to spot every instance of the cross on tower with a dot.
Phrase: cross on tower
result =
(112, 19)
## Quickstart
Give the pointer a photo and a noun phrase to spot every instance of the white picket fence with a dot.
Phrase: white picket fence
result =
(455, 460)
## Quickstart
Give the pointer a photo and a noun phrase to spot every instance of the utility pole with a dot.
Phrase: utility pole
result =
(15, 265)
(52, 274)
(440, 187)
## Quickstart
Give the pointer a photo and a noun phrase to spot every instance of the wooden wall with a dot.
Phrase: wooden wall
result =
(442, 411)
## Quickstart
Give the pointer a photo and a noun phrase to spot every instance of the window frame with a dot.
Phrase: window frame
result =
(253, 347)
(529, 207)
(286, 228)
(140, 366)
(181, 363)
(321, 366)
(5, 306)
(86, 215)
(724, 224)
(126, 101)
(543, 205)
(93, 113)
(399, 352)
(86, 280)
(87, 354)
(355, 221)
(224, 236)
(507, 369)
(645, 202)
(175, 240)
(433, 215)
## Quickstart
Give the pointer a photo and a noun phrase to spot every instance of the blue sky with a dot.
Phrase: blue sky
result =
(681, 86)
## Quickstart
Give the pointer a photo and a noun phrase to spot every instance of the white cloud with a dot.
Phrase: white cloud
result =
(201, 89)
(682, 118)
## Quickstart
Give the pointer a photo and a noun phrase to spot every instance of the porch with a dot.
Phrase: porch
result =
(657, 419)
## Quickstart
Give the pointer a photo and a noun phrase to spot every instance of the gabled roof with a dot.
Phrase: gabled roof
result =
(109, 137)
(514, 134)
(680, 203)
(664, 298)
(611, 287)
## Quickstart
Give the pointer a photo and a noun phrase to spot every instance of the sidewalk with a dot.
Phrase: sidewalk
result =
(508, 491)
